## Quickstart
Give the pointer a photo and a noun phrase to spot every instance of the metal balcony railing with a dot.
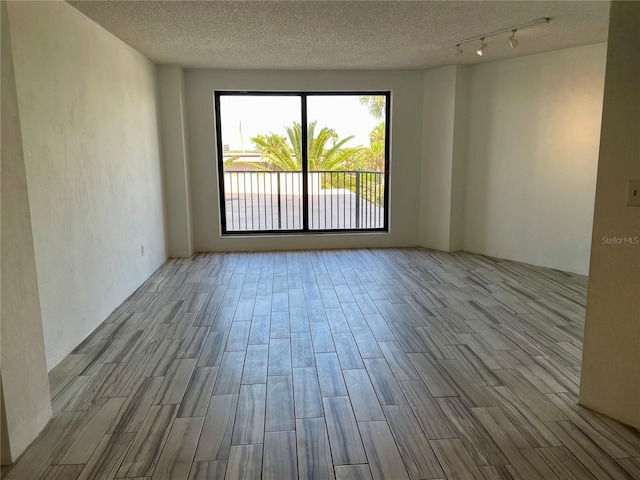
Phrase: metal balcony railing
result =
(271, 201)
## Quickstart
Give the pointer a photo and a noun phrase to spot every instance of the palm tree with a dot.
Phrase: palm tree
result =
(372, 158)
(376, 104)
(325, 150)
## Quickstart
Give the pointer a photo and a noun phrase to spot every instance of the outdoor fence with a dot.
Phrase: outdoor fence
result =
(338, 200)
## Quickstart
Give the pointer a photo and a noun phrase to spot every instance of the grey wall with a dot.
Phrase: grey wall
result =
(89, 125)
(175, 155)
(509, 156)
(26, 403)
(534, 125)
(444, 155)
(610, 380)
(406, 122)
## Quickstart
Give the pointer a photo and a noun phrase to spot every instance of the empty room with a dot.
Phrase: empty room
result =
(340, 240)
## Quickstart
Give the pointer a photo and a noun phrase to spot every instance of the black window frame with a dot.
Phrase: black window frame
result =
(305, 170)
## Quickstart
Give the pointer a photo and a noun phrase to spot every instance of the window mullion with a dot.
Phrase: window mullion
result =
(221, 190)
(305, 164)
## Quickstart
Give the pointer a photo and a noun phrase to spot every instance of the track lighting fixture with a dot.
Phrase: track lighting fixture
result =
(513, 42)
(483, 47)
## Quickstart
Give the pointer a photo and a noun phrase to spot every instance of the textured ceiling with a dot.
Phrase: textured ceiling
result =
(337, 35)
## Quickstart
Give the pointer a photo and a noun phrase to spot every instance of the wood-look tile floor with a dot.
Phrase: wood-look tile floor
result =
(353, 364)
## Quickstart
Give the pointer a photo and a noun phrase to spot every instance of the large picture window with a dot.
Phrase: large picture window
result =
(303, 162)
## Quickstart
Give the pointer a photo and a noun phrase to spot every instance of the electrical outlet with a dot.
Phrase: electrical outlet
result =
(142, 250)
(633, 195)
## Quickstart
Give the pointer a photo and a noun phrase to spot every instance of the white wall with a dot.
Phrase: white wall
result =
(24, 395)
(444, 154)
(88, 113)
(534, 128)
(406, 122)
(610, 380)
(459, 158)
(175, 156)
(438, 103)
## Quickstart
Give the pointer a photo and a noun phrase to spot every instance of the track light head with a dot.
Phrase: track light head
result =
(513, 43)
(483, 47)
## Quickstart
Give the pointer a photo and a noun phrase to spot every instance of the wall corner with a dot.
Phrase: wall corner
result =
(443, 166)
(175, 155)
(26, 399)
(610, 382)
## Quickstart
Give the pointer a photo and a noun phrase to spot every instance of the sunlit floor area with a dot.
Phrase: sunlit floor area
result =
(349, 364)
